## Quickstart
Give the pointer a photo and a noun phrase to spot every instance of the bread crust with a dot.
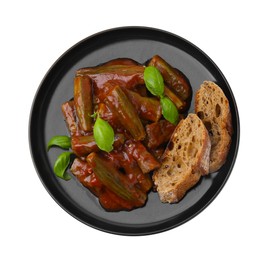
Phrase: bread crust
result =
(184, 161)
(212, 106)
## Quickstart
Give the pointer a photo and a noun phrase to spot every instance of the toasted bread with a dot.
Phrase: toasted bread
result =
(184, 161)
(212, 107)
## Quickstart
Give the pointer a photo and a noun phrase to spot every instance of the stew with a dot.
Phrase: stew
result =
(115, 91)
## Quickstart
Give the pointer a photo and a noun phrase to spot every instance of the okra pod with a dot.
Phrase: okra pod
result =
(83, 145)
(83, 100)
(105, 113)
(145, 159)
(114, 180)
(148, 108)
(83, 172)
(124, 160)
(178, 102)
(127, 75)
(111, 202)
(120, 105)
(134, 172)
(69, 113)
(173, 77)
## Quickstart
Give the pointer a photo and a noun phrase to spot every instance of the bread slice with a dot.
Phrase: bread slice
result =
(185, 159)
(212, 107)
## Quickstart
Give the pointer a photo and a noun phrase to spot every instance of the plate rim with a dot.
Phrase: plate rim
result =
(142, 229)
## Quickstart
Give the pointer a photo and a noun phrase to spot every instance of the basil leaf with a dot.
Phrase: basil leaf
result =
(62, 141)
(103, 134)
(154, 81)
(169, 110)
(61, 165)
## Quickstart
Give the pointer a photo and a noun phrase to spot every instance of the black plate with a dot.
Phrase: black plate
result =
(138, 43)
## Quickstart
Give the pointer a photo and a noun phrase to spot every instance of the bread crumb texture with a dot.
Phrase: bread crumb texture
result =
(212, 107)
(186, 158)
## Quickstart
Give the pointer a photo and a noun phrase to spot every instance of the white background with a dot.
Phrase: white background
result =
(35, 33)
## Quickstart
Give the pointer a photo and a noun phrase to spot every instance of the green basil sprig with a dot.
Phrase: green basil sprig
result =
(154, 81)
(62, 141)
(61, 166)
(169, 110)
(103, 134)
(155, 84)
(63, 160)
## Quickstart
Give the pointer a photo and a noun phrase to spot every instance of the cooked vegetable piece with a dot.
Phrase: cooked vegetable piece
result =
(112, 202)
(144, 180)
(141, 90)
(69, 114)
(173, 77)
(133, 171)
(83, 145)
(145, 160)
(148, 108)
(159, 133)
(83, 100)
(120, 105)
(127, 75)
(106, 114)
(82, 171)
(178, 102)
(126, 162)
(158, 152)
(115, 180)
